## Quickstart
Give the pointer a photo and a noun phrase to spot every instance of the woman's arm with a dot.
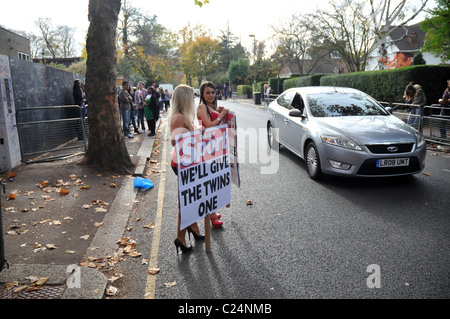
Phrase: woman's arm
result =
(202, 114)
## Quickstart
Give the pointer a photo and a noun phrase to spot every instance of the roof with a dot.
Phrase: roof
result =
(411, 37)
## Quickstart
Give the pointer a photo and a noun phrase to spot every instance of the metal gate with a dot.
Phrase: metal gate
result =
(51, 132)
(433, 126)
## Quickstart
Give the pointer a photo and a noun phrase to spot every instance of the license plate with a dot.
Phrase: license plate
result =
(393, 162)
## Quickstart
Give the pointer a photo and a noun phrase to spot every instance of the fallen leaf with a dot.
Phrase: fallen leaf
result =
(249, 202)
(98, 224)
(64, 191)
(85, 237)
(134, 254)
(170, 284)
(11, 197)
(50, 246)
(11, 285)
(111, 291)
(11, 175)
(73, 177)
(85, 187)
(43, 184)
(101, 210)
(70, 251)
(89, 264)
(115, 277)
(153, 271)
(150, 226)
(426, 174)
(112, 185)
(17, 290)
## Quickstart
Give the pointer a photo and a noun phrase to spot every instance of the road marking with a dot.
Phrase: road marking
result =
(150, 287)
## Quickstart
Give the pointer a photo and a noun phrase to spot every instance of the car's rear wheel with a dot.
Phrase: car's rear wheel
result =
(313, 162)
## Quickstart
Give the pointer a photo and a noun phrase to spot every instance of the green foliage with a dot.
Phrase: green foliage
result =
(276, 84)
(437, 27)
(389, 85)
(244, 90)
(311, 80)
(418, 59)
(237, 71)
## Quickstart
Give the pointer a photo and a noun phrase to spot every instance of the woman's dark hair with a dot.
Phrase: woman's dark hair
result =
(202, 90)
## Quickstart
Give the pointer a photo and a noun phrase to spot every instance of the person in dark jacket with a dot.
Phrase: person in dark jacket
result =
(151, 111)
(445, 110)
(125, 99)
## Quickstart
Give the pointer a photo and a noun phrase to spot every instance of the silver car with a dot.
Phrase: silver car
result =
(343, 131)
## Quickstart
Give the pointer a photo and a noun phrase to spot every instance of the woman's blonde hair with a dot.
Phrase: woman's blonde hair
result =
(183, 102)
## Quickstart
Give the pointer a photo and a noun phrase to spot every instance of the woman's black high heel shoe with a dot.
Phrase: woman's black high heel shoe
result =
(197, 237)
(183, 248)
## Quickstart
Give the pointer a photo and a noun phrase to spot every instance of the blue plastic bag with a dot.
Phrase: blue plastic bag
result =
(144, 183)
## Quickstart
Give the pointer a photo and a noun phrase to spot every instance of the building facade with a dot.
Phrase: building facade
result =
(14, 45)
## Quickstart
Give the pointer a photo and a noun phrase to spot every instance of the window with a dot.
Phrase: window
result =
(343, 104)
(24, 56)
(335, 55)
(297, 102)
(285, 99)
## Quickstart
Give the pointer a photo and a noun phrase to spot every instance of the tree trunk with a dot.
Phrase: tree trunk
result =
(107, 150)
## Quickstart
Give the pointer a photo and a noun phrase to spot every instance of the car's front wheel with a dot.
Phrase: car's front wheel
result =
(271, 137)
(313, 162)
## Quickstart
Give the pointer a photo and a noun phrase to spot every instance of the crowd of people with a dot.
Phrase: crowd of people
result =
(146, 104)
(415, 96)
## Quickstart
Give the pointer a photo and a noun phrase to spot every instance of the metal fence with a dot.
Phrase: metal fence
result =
(429, 121)
(47, 133)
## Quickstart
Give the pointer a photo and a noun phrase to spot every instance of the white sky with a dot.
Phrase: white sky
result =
(244, 16)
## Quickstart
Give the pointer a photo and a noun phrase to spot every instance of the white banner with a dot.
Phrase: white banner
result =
(204, 176)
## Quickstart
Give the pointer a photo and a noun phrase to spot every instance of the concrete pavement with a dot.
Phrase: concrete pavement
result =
(47, 234)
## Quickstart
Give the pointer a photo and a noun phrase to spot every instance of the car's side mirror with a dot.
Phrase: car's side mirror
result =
(389, 109)
(296, 113)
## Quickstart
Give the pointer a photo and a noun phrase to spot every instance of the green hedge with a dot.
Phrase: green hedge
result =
(310, 80)
(389, 85)
(276, 84)
(243, 90)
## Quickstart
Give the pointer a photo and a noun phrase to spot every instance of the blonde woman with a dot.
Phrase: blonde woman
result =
(181, 120)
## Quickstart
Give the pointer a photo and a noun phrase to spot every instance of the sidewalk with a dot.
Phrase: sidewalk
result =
(57, 214)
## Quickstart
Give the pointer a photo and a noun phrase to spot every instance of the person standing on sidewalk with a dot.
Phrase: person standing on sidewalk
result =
(151, 111)
(181, 120)
(140, 101)
(125, 100)
(445, 110)
(210, 115)
(133, 110)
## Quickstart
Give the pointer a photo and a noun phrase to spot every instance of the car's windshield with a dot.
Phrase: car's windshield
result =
(343, 104)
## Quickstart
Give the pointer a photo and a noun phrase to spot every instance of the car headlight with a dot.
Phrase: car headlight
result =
(420, 140)
(341, 141)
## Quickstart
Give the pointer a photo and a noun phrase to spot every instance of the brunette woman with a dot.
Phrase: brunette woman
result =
(210, 115)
